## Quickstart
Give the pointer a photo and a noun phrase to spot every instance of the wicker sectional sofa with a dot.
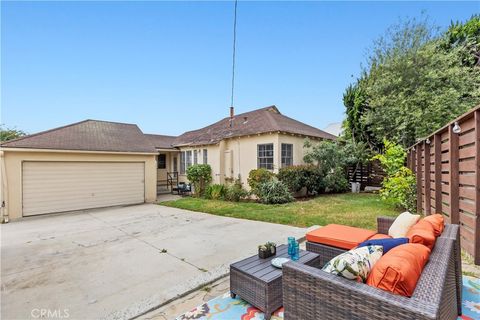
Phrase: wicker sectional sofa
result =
(310, 293)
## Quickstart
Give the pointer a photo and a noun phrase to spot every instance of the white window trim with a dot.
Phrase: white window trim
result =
(205, 156)
(273, 155)
(282, 157)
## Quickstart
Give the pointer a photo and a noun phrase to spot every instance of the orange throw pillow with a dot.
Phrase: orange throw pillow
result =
(422, 232)
(437, 222)
(399, 269)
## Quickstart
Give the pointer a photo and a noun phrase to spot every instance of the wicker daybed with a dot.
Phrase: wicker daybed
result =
(310, 293)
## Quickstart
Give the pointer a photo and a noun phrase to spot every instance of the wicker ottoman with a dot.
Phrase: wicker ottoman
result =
(259, 283)
(334, 239)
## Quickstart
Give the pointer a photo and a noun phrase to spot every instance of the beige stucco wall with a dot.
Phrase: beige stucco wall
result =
(213, 159)
(298, 150)
(12, 172)
(244, 154)
(170, 157)
(241, 154)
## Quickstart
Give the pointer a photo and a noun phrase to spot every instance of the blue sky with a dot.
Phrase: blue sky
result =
(166, 66)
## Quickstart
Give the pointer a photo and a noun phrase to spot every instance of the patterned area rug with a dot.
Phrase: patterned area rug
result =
(226, 308)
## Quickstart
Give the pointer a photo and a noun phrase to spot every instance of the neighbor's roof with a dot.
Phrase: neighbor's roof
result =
(334, 128)
(262, 120)
(88, 135)
(160, 141)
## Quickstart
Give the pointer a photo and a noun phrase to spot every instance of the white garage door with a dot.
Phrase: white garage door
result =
(65, 186)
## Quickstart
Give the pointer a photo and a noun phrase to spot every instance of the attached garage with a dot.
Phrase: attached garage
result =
(91, 164)
(50, 187)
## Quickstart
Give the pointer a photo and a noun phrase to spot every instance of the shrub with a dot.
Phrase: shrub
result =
(332, 159)
(293, 177)
(393, 158)
(336, 181)
(257, 176)
(400, 189)
(399, 186)
(297, 177)
(235, 192)
(314, 180)
(273, 192)
(215, 192)
(326, 155)
(200, 176)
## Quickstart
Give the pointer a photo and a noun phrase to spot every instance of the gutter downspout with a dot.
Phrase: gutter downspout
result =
(3, 189)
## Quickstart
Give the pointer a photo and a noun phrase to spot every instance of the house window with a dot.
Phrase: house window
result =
(287, 154)
(162, 161)
(182, 162)
(175, 165)
(195, 156)
(265, 156)
(205, 156)
(188, 160)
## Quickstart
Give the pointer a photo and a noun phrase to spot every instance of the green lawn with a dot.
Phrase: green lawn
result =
(358, 210)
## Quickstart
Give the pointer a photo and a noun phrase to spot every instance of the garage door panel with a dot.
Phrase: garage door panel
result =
(66, 186)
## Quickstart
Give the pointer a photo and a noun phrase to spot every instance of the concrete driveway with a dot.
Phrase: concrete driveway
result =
(108, 263)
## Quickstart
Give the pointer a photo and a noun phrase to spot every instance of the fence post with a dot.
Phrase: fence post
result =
(426, 170)
(418, 151)
(454, 175)
(476, 245)
(437, 144)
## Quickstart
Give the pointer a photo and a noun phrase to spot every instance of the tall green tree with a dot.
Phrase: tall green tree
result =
(465, 34)
(416, 80)
(355, 127)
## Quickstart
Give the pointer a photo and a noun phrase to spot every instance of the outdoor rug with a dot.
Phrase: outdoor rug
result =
(226, 308)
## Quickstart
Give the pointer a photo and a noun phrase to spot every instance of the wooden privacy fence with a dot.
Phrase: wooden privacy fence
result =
(370, 174)
(446, 165)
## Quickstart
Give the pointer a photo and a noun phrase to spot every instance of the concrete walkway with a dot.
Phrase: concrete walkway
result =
(118, 263)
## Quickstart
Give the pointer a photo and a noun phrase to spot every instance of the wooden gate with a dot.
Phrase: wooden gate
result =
(446, 165)
(370, 174)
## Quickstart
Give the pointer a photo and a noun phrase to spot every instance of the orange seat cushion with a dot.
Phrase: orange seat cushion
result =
(422, 232)
(399, 269)
(379, 236)
(339, 236)
(438, 223)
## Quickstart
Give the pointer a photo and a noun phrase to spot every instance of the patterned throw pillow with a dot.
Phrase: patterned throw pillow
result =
(356, 263)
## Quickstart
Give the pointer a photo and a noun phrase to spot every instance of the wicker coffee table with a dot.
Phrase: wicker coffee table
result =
(259, 283)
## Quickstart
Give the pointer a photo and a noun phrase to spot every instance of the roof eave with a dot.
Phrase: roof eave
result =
(27, 149)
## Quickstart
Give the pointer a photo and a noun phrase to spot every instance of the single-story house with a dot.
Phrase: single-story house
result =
(93, 164)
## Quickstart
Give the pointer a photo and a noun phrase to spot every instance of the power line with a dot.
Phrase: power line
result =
(234, 48)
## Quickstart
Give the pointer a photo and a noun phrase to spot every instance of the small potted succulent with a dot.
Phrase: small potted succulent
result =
(267, 250)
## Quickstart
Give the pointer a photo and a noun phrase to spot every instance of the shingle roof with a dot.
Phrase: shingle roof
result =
(160, 141)
(88, 135)
(262, 120)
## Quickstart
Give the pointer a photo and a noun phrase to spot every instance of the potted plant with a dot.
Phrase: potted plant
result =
(267, 250)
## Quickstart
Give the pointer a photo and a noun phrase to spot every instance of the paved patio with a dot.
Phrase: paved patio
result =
(108, 263)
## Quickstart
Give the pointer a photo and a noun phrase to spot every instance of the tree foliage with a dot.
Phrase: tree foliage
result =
(7, 133)
(416, 80)
(399, 186)
(465, 34)
(331, 158)
(200, 175)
